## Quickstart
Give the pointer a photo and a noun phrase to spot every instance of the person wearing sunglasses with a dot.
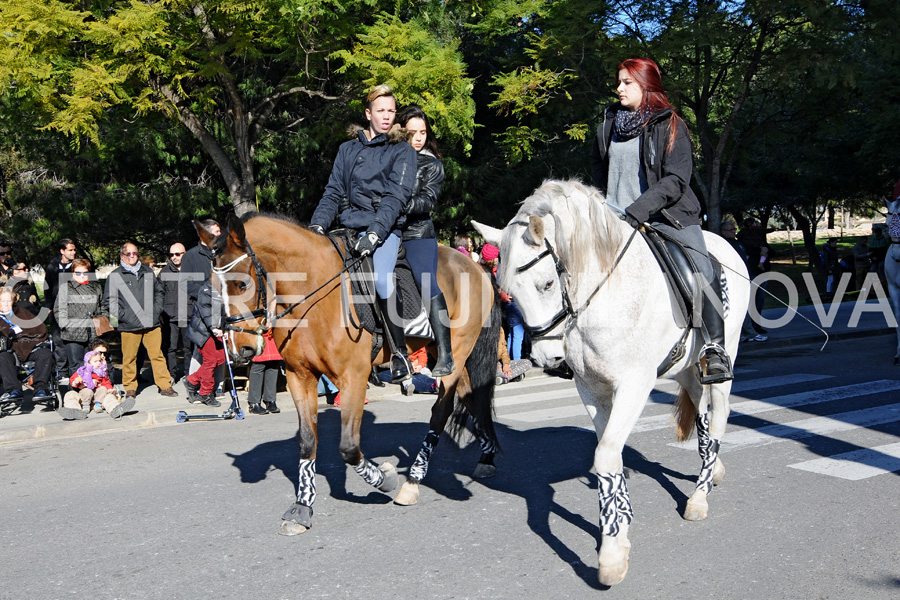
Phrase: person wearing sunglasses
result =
(6, 261)
(133, 298)
(23, 286)
(77, 302)
(175, 315)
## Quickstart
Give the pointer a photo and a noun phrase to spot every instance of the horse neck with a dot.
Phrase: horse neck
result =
(299, 261)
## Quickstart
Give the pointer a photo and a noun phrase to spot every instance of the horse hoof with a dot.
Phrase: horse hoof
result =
(611, 575)
(391, 479)
(696, 510)
(483, 471)
(409, 494)
(291, 528)
(718, 472)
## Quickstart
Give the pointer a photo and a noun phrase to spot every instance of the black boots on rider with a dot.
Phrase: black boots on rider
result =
(395, 337)
(718, 364)
(440, 324)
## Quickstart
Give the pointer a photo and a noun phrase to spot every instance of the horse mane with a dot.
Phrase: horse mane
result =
(592, 233)
(273, 215)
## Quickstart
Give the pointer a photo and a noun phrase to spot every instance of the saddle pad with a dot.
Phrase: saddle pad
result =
(415, 319)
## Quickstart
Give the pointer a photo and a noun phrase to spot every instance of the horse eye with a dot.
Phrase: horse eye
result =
(548, 285)
(243, 285)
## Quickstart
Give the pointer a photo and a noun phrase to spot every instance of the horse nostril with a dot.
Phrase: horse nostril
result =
(247, 352)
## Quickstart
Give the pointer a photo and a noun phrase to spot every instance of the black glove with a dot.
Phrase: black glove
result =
(317, 229)
(366, 244)
(628, 218)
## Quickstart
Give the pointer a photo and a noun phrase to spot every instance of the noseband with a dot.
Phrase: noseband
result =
(541, 332)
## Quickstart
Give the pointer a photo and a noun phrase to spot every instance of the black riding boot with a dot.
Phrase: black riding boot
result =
(440, 323)
(718, 364)
(401, 368)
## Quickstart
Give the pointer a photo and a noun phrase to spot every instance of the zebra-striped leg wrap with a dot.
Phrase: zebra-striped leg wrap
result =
(420, 465)
(306, 488)
(615, 505)
(709, 453)
(487, 445)
(370, 472)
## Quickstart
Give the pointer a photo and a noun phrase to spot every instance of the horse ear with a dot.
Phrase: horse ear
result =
(491, 235)
(205, 235)
(536, 229)
(236, 230)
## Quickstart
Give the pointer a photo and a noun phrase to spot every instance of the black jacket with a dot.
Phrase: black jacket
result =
(370, 185)
(669, 196)
(51, 279)
(208, 314)
(135, 301)
(196, 266)
(175, 289)
(429, 177)
(74, 308)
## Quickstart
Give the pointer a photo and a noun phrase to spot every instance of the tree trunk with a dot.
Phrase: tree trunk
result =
(809, 239)
(830, 216)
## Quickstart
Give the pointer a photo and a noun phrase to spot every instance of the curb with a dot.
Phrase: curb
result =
(760, 348)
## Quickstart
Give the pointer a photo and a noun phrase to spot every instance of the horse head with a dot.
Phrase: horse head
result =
(241, 281)
(530, 274)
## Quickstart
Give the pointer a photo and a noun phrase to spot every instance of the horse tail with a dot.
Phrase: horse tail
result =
(481, 366)
(685, 416)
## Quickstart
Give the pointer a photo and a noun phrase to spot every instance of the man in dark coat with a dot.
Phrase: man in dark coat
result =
(175, 313)
(196, 267)
(24, 337)
(133, 298)
(61, 264)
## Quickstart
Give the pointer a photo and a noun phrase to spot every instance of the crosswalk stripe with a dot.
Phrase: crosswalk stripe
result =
(804, 428)
(856, 465)
(656, 422)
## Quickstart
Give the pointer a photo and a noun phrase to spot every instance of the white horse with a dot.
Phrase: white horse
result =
(892, 266)
(592, 294)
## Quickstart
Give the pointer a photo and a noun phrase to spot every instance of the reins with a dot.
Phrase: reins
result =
(262, 286)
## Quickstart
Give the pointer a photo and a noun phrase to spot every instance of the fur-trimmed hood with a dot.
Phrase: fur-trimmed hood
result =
(395, 134)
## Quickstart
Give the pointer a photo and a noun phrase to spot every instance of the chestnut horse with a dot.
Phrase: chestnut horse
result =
(275, 275)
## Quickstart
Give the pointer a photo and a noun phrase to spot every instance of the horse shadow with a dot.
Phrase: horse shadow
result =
(531, 462)
(377, 440)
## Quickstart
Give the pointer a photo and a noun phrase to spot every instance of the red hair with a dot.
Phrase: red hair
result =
(646, 73)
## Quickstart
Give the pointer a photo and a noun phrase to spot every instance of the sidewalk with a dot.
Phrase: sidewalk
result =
(152, 409)
(842, 321)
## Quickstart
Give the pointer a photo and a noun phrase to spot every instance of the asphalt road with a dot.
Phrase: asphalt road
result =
(808, 508)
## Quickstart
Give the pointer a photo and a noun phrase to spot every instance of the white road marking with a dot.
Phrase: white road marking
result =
(804, 428)
(856, 465)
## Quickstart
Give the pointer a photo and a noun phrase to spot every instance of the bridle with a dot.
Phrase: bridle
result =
(261, 312)
(542, 331)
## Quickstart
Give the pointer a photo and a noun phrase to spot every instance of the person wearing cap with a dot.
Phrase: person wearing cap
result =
(419, 236)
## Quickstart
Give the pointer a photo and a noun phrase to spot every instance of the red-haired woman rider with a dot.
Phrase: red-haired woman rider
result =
(642, 162)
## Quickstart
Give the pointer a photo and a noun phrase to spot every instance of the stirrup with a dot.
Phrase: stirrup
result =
(402, 371)
(720, 375)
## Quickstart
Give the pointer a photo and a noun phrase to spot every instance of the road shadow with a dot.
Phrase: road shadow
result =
(532, 462)
(400, 442)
